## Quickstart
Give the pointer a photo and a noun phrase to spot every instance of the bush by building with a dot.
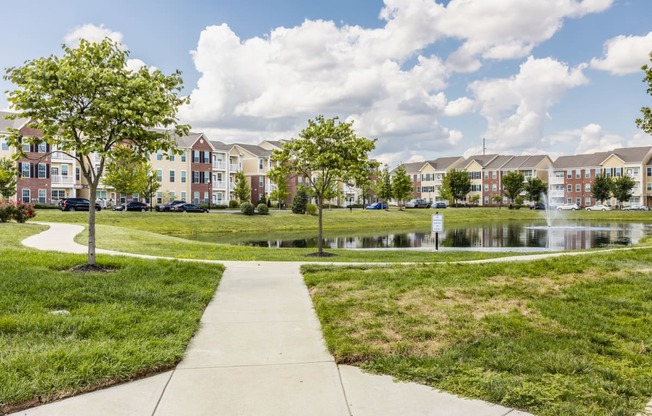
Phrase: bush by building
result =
(247, 208)
(262, 209)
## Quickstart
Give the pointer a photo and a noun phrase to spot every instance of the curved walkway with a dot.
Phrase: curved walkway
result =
(259, 351)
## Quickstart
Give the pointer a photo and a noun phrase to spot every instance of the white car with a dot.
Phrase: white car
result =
(598, 207)
(568, 207)
(636, 207)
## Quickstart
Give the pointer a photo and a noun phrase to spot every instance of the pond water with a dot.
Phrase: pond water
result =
(505, 235)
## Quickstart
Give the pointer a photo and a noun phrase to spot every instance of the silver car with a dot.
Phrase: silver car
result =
(568, 207)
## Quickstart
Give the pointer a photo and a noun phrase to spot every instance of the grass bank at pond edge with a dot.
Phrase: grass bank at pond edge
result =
(565, 336)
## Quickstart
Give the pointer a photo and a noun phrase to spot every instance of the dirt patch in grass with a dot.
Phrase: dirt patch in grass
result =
(92, 268)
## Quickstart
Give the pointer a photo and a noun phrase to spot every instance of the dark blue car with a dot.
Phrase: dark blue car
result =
(377, 205)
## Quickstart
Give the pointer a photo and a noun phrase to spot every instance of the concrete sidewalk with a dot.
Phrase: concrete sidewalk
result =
(259, 351)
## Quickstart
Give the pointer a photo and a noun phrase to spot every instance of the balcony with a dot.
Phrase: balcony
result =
(219, 165)
(62, 180)
(58, 156)
(235, 167)
(220, 185)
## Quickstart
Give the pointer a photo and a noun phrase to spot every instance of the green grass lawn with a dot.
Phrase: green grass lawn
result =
(64, 332)
(565, 336)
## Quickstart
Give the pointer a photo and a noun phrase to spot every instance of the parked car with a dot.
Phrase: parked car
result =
(166, 207)
(131, 206)
(439, 205)
(538, 205)
(598, 207)
(185, 207)
(376, 205)
(417, 203)
(636, 207)
(568, 207)
(77, 204)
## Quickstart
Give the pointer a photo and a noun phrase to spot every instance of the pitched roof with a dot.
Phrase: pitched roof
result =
(412, 167)
(444, 163)
(14, 124)
(499, 162)
(255, 149)
(632, 154)
(578, 161)
(482, 160)
(219, 146)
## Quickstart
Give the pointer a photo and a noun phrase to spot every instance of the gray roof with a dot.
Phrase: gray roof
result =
(221, 147)
(483, 160)
(14, 124)
(579, 161)
(255, 149)
(632, 154)
(413, 167)
(499, 162)
(277, 143)
(444, 163)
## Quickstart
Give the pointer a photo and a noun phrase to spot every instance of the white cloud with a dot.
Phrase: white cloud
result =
(458, 107)
(516, 107)
(594, 139)
(624, 54)
(91, 33)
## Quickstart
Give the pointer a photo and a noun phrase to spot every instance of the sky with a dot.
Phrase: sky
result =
(426, 78)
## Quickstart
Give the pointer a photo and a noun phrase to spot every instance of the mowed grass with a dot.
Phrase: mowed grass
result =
(63, 332)
(565, 336)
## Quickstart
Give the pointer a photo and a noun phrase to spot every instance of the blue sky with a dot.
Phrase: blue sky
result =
(426, 78)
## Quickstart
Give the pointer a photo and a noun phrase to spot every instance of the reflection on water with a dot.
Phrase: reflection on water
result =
(497, 235)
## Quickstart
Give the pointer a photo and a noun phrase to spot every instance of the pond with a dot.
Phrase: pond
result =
(497, 235)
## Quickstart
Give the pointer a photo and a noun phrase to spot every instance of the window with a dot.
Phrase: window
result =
(486, 200)
(77, 174)
(649, 171)
(5, 146)
(42, 170)
(159, 155)
(183, 176)
(587, 173)
(587, 187)
(578, 201)
(419, 189)
(64, 170)
(24, 170)
(58, 194)
(159, 197)
(649, 186)
(486, 187)
(195, 156)
(494, 187)
(171, 176)
(195, 177)
(207, 157)
(486, 174)
(195, 198)
(183, 195)
(570, 188)
(300, 180)
(578, 188)
(569, 174)
(41, 196)
(494, 175)
(183, 156)
(587, 201)
(54, 171)
(261, 181)
(25, 196)
(159, 175)
(260, 163)
(42, 148)
(171, 157)
(26, 147)
(618, 172)
(578, 174)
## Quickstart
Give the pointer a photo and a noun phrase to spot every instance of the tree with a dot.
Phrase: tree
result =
(384, 185)
(401, 185)
(282, 188)
(497, 199)
(326, 152)
(623, 188)
(645, 123)
(88, 102)
(601, 188)
(457, 184)
(125, 172)
(300, 201)
(242, 189)
(8, 178)
(514, 184)
(534, 187)
(331, 193)
(151, 186)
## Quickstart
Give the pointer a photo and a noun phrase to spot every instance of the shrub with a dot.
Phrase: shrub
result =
(300, 201)
(262, 209)
(23, 212)
(311, 209)
(247, 208)
(233, 204)
(17, 211)
(6, 211)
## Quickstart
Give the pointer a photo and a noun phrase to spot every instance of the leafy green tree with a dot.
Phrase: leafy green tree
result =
(326, 152)
(331, 193)
(534, 187)
(645, 122)
(514, 184)
(456, 185)
(601, 188)
(497, 199)
(87, 102)
(282, 187)
(126, 172)
(623, 188)
(401, 185)
(8, 178)
(152, 185)
(242, 189)
(300, 201)
(474, 199)
(384, 185)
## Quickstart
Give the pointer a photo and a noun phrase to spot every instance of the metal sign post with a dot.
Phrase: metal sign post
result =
(437, 227)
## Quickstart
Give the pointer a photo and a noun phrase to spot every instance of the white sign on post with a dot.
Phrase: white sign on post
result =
(437, 223)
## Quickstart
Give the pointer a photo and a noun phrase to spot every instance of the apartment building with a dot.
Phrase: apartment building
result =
(432, 174)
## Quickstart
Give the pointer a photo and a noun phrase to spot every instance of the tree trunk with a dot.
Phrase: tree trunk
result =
(91, 229)
(320, 243)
